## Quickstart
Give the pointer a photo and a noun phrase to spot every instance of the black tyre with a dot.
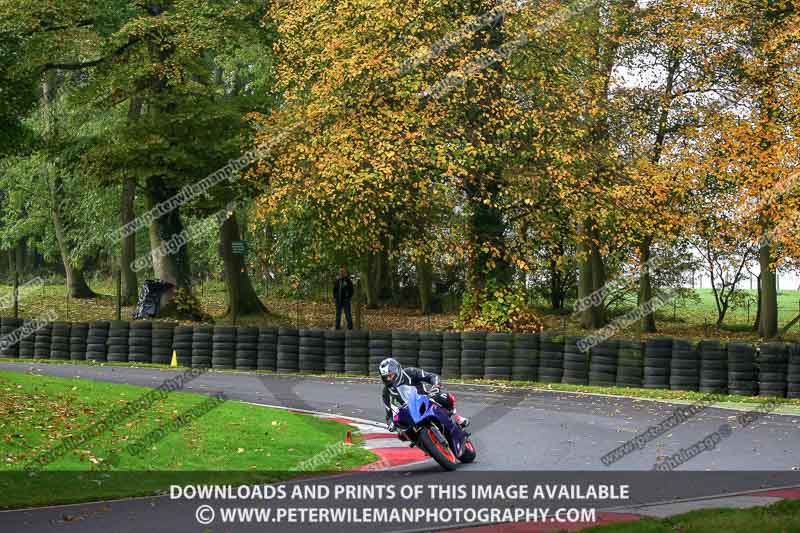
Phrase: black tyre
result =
(434, 443)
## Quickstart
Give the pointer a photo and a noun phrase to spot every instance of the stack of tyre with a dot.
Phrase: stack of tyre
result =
(657, 358)
(525, 357)
(551, 358)
(356, 352)
(499, 356)
(41, 347)
(117, 348)
(223, 347)
(576, 362)
(8, 326)
(27, 345)
(78, 341)
(630, 363)
(405, 347)
(140, 342)
(793, 375)
(742, 372)
(201, 346)
(380, 347)
(161, 349)
(713, 367)
(288, 350)
(451, 355)
(603, 364)
(334, 351)
(182, 345)
(430, 351)
(267, 349)
(773, 369)
(311, 351)
(97, 341)
(59, 341)
(246, 348)
(473, 354)
(684, 370)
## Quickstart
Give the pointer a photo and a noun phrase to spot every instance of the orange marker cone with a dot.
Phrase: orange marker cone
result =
(174, 363)
(348, 438)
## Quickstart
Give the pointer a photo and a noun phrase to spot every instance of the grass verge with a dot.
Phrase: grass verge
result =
(780, 517)
(224, 442)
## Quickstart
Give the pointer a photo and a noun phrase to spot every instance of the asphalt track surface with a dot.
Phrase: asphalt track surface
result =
(515, 430)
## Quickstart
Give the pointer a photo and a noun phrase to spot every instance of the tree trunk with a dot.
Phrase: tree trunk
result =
(76, 283)
(757, 321)
(556, 289)
(385, 287)
(591, 278)
(130, 282)
(487, 229)
(19, 257)
(646, 287)
(373, 279)
(175, 267)
(768, 325)
(424, 283)
(242, 297)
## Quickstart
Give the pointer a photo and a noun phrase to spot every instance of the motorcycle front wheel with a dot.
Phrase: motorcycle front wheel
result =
(468, 454)
(437, 447)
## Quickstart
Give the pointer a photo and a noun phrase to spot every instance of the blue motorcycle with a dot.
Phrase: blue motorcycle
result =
(429, 426)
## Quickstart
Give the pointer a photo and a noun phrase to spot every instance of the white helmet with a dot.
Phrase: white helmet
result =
(390, 371)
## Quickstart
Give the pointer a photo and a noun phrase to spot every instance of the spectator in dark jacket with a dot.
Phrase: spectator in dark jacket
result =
(342, 295)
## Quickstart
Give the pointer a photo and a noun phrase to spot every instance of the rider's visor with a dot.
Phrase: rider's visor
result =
(389, 377)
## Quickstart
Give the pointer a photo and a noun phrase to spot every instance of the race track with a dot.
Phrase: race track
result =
(523, 429)
(515, 430)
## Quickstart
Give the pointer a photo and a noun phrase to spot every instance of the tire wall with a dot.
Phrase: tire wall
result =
(7, 327)
(709, 366)
(246, 349)
(288, 354)
(311, 354)
(551, 358)
(576, 363)
(451, 355)
(525, 357)
(473, 354)
(603, 364)
(657, 360)
(630, 364)
(356, 352)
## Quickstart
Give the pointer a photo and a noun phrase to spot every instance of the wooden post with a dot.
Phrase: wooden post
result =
(16, 294)
(119, 294)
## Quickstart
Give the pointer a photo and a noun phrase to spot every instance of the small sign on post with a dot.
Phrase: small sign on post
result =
(239, 247)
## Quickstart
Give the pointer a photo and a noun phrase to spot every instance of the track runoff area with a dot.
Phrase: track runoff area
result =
(545, 461)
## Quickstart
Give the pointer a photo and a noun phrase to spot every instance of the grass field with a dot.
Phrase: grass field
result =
(693, 319)
(781, 517)
(225, 441)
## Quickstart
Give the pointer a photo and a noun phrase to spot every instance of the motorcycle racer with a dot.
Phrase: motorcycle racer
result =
(394, 375)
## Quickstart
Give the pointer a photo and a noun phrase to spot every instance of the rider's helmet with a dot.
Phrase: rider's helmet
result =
(390, 371)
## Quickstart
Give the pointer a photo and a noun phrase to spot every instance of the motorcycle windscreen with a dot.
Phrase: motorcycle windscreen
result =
(415, 404)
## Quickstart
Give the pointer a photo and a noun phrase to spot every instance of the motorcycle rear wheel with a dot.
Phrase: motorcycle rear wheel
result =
(440, 451)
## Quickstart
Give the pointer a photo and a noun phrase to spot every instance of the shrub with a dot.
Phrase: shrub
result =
(497, 308)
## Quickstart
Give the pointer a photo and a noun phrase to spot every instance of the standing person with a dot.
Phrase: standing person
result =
(342, 295)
